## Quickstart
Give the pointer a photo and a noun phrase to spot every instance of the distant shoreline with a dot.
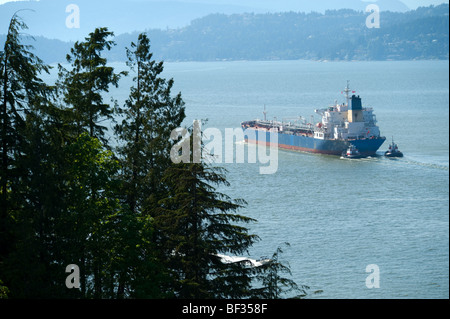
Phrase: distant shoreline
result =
(340, 35)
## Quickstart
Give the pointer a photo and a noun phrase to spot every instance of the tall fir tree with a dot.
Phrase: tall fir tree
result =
(149, 116)
(94, 201)
(89, 220)
(199, 224)
(85, 83)
(23, 99)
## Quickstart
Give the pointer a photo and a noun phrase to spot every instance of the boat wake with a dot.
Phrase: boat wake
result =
(427, 164)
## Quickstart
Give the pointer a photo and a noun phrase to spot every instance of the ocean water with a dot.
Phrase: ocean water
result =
(339, 216)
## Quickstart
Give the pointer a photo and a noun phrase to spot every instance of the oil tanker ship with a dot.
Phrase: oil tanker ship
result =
(342, 126)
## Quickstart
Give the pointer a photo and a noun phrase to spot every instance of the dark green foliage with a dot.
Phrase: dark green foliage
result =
(199, 223)
(89, 77)
(136, 225)
(274, 285)
(149, 115)
(21, 98)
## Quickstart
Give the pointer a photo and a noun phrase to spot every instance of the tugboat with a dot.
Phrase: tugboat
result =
(352, 152)
(393, 150)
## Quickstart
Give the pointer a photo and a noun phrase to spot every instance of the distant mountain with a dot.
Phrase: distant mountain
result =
(122, 16)
(334, 35)
(319, 6)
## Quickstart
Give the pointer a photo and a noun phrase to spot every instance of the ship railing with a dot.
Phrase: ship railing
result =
(362, 137)
(356, 137)
(320, 129)
(299, 126)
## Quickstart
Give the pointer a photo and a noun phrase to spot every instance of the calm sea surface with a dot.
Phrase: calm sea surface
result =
(340, 216)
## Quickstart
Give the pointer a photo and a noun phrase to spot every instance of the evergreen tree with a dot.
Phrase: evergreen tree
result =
(89, 77)
(90, 215)
(199, 224)
(23, 95)
(274, 285)
(92, 201)
(136, 224)
(149, 116)
(35, 262)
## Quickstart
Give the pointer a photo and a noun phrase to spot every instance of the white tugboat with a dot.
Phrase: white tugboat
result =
(352, 152)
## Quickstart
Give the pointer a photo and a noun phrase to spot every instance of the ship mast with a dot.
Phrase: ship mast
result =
(265, 113)
(347, 92)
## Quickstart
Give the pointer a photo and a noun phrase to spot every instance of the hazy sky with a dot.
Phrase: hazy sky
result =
(412, 4)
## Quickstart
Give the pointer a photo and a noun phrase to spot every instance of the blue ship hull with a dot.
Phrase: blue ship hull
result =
(366, 147)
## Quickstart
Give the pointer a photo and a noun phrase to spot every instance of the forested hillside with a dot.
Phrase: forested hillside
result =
(335, 35)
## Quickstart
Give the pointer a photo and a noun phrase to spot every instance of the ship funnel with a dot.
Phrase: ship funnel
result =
(355, 103)
(355, 113)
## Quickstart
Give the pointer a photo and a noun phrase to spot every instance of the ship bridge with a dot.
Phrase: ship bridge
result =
(347, 121)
